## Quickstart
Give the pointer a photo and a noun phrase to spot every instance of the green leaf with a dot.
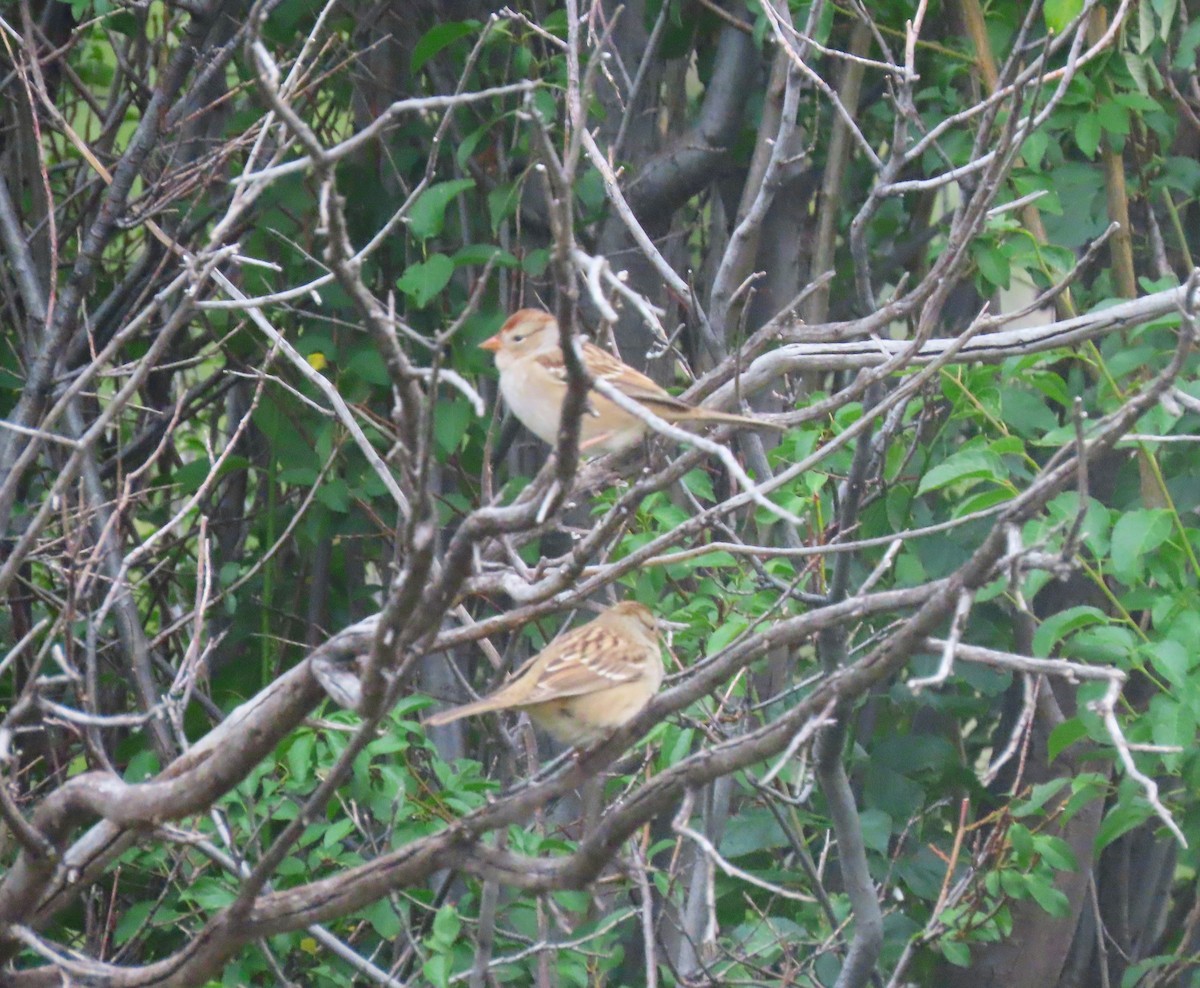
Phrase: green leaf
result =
(1140, 102)
(535, 262)
(450, 424)
(1086, 788)
(681, 747)
(335, 495)
(299, 476)
(968, 465)
(1034, 147)
(209, 893)
(1014, 884)
(888, 790)
(1056, 852)
(428, 213)
(366, 364)
(1135, 65)
(993, 264)
(1182, 173)
(1095, 531)
(1189, 41)
(1022, 844)
(1051, 899)
(699, 482)
(382, 917)
(336, 831)
(423, 282)
(1114, 118)
(1131, 360)
(1059, 13)
(293, 867)
(1065, 735)
(1135, 973)
(1059, 626)
(446, 925)
(1122, 818)
(589, 188)
(299, 756)
(190, 476)
(1087, 133)
(468, 145)
(480, 254)
(124, 23)
(1105, 643)
(1039, 796)
(956, 952)
(1135, 534)
(1172, 661)
(876, 829)
(981, 502)
(1172, 725)
(131, 920)
(437, 970)
(1184, 627)
(1145, 32)
(502, 203)
(1026, 412)
(757, 830)
(733, 626)
(1166, 10)
(437, 38)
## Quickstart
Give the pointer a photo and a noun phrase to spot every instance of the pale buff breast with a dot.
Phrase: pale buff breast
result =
(581, 720)
(535, 397)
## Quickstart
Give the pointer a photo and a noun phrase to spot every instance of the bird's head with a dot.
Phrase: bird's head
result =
(639, 614)
(525, 332)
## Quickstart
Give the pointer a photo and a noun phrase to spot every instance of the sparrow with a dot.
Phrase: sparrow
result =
(586, 682)
(533, 381)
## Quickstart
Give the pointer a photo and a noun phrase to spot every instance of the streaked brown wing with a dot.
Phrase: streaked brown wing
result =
(631, 382)
(551, 363)
(604, 364)
(665, 406)
(585, 661)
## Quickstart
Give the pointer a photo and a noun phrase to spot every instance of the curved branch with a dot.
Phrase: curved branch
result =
(669, 179)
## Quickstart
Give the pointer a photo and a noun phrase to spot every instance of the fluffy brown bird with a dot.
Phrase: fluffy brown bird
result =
(533, 381)
(586, 682)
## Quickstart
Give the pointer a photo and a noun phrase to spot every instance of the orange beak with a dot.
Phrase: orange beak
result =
(492, 343)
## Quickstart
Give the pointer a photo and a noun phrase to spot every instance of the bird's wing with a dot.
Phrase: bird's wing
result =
(586, 660)
(636, 385)
(605, 366)
(620, 375)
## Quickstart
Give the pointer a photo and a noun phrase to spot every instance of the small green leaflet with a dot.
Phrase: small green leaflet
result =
(428, 213)
(422, 282)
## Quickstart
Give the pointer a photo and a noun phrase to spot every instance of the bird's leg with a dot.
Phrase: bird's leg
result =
(603, 437)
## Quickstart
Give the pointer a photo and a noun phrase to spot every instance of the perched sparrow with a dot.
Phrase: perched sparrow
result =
(584, 683)
(534, 383)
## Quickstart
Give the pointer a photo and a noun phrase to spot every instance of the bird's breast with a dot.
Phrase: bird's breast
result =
(534, 397)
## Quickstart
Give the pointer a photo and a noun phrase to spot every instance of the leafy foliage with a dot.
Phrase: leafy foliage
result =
(208, 507)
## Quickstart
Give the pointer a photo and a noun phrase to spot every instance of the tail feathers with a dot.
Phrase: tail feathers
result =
(456, 713)
(674, 410)
(712, 415)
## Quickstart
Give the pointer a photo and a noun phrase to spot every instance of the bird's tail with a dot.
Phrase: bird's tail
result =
(712, 415)
(456, 713)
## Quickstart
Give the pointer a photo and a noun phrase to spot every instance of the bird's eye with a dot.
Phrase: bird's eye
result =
(518, 338)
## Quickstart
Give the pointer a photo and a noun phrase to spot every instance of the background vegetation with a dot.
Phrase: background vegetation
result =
(933, 703)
